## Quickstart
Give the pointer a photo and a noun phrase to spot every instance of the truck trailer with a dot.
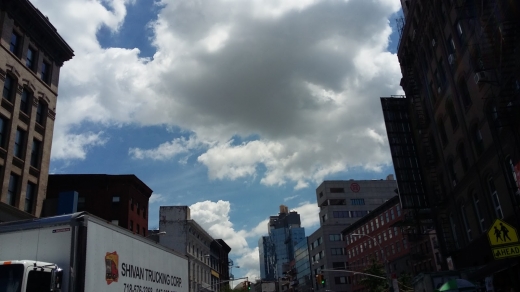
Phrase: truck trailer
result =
(81, 253)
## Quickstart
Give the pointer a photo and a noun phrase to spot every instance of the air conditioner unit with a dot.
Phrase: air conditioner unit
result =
(451, 59)
(433, 42)
(480, 77)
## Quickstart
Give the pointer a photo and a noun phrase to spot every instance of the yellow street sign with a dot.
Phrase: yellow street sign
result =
(506, 251)
(502, 233)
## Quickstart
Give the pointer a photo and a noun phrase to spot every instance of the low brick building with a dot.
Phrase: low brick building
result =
(120, 199)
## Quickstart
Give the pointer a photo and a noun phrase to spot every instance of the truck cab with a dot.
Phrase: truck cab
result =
(29, 276)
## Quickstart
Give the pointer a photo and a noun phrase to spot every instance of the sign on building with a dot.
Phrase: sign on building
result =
(503, 240)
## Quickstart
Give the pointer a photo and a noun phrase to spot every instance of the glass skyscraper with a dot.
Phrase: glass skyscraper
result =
(278, 247)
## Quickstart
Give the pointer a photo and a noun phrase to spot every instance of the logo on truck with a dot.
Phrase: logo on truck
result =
(111, 263)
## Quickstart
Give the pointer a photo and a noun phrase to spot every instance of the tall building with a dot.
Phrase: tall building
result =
(277, 249)
(304, 280)
(208, 262)
(120, 199)
(454, 136)
(31, 54)
(342, 203)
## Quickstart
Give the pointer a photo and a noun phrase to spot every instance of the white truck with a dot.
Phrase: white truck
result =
(82, 253)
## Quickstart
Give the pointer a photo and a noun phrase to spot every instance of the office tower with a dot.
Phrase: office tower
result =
(342, 202)
(277, 249)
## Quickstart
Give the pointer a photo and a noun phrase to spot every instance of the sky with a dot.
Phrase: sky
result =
(231, 107)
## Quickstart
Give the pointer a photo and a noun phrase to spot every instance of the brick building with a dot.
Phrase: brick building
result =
(120, 199)
(455, 135)
(380, 236)
(31, 54)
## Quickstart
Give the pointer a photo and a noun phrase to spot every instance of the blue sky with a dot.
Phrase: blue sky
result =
(231, 107)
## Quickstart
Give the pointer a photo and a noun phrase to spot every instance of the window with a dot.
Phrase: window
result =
(460, 32)
(451, 170)
(396, 231)
(144, 231)
(342, 280)
(382, 220)
(465, 221)
(137, 229)
(454, 230)
(29, 59)
(477, 139)
(392, 215)
(19, 143)
(450, 109)
(384, 235)
(340, 214)
(357, 201)
(334, 237)
(35, 153)
(45, 72)
(371, 225)
(3, 131)
(12, 190)
(377, 222)
(337, 251)
(478, 212)
(513, 176)
(144, 212)
(14, 45)
(37, 279)
(81, 204)
(398, 210)
(494, 197)
(40, 113)
(466, 97)
(115, 201)
(451, 45)
(337, 190)
(463, 157)
(131, 225)
(25, 101)
(387, 217)
(9, 88)
(29, 197)
(442, 133)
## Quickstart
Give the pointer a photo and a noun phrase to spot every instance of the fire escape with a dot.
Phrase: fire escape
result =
(434, 206)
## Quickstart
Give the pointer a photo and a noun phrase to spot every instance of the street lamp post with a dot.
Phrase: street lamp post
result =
(383, 254)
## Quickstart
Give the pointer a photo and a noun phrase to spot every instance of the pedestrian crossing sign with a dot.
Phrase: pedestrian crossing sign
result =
(502, 233)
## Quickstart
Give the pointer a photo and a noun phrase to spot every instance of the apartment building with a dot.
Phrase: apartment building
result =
(454, 136)
(31, 55)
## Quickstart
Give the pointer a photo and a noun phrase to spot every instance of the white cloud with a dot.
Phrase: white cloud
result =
(290, 198)
(156, 198)
(309, 214)
(302, 77)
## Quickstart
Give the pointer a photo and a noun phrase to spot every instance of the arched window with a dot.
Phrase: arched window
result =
(442, 132)
(451, 171)
(467, 226)
(477, 206)
(464, 92)
(454, 230)
(450, 109)
(494, 197)
(513, 174)
(461, 151)
(477, 139)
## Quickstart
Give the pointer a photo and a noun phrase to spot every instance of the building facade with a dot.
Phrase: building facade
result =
(455, 135)
(341, 204)
(380, 235)
(31, 54)
(277, 249)
(120, 199)
(208, 267)
(304, 280)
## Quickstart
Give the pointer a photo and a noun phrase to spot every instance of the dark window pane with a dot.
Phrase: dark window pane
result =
(24, 103)
(12, 190)
(35, 154)
(8, 90)
(19, 143)
(29, 61)
(45, 72)
(29, 197)
(15, 43)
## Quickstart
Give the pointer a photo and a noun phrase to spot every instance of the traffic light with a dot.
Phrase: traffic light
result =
(248, 285)
(320, 279)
